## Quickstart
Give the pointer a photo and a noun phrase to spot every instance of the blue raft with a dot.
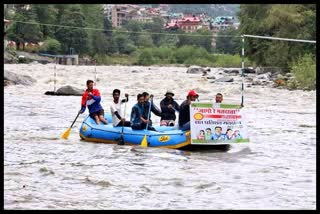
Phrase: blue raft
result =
(165, 136)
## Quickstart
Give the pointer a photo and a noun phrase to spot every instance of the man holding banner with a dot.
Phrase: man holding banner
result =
(184, 114)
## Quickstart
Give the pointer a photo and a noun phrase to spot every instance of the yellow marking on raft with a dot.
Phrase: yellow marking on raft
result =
(97, 140)
(164, 138)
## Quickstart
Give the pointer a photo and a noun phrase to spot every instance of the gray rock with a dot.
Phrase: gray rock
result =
(195, 69)
(256, 82)
(211, 77)
(9, 58)
(225, 79)
(7, 82)
(18, 79)
(135, 71)
(69, 90)
(249, 71)
(231, 71)
(265, 76)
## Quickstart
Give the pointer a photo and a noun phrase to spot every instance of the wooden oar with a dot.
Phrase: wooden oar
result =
(66, 134)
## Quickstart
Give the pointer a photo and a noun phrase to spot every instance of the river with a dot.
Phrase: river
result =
(276, 170)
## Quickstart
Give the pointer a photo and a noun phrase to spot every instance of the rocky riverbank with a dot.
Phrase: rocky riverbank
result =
(270, 77)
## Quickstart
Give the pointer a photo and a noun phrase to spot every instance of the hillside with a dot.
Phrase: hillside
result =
(211, 9)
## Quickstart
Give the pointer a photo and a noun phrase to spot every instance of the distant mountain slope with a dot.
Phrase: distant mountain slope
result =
(213, 10)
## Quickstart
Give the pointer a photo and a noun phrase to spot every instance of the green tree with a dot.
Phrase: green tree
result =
(156, 26)
(22, 32)
(51, 46)
(296, 21)
(76, 38)
(204, 39)
(47, 14)
(94, 18)
(122, 44)
(144, 41)
(146, 58)
(183, 53)
(107, 26)
(134, 28)
(228, 45)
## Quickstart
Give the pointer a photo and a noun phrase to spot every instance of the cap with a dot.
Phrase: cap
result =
(193, 93)
(169, 92)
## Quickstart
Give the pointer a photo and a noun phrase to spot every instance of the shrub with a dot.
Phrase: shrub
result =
(146, 58)
(304, 71)
(51, 46)
(162, 53)
(225, 60)
(183, 53)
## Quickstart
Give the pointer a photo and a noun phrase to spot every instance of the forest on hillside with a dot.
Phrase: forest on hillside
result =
(85, 30)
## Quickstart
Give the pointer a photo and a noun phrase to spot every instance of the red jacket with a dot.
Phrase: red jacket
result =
(93, 102)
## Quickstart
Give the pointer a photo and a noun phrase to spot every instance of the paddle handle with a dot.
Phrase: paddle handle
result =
(75, 119)
(124, 115)
(149, 113)
(242, 98)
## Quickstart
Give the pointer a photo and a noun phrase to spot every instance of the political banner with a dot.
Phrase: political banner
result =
(217, 123)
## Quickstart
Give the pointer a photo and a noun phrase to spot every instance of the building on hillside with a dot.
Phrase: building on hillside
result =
(107, 10)
(188, 24)
(121, 13)
(222, 23)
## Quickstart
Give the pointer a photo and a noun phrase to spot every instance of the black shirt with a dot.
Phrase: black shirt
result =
(184, 113)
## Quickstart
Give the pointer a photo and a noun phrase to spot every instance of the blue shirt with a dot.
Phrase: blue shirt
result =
(136, 112)
(217, 137)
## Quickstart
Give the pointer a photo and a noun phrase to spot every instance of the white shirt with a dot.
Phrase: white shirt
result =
(115, 107)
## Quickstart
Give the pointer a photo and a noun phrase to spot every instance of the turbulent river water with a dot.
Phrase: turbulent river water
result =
(276, 170)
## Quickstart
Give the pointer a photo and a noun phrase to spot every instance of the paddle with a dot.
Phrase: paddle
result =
(121, 140)
(144, 142)
(66, 134)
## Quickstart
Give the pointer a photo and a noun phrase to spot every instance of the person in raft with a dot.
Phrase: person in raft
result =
(154, 108)
(184, 114)
(91, 98)
(138, 116)
(168, 110)
(115, 109)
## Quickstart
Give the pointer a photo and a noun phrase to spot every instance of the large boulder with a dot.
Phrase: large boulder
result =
(249, 71)
(211, 77)
(69, 90)
(225, 79)
(194, 69)
(15, 79)
(9, 58)
(232, 72)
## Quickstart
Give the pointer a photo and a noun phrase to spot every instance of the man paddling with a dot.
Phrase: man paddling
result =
(92, 98)
(138, 117)
(115, 108)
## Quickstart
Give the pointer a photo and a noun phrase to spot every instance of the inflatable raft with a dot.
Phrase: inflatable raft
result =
(165, 136)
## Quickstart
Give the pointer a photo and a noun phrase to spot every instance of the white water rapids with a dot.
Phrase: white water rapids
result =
(276, 170)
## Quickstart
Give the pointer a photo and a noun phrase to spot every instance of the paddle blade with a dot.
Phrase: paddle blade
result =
(120, 141)
(144, 142)
(66, 134)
